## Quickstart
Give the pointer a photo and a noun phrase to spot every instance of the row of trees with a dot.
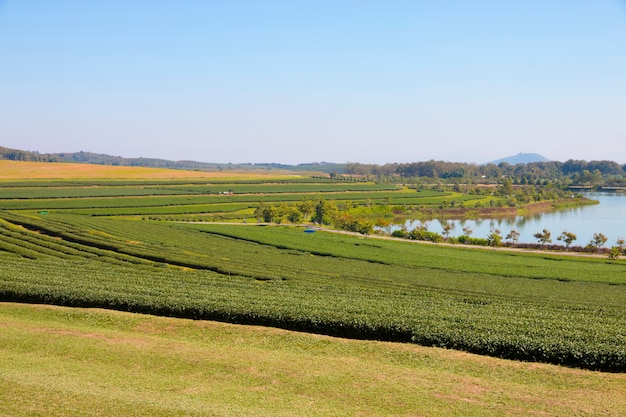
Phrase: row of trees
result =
(571, 172)
(103, 159)
(515, 195)
(496, 239)
(597, 241)
(347, 216)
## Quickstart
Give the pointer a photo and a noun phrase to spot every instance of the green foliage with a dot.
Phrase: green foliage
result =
(425, 235)
(468, 240)
(567, 237)
(513, 236)
(495, 238)
(543, 237)
(324, 212)
(598, 241)
(577, 173)
(350, 223)
(265, 213)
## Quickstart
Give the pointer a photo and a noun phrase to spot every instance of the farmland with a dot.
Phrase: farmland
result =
(127, 244)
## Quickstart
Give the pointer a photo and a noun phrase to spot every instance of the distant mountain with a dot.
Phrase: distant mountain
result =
(521, 158)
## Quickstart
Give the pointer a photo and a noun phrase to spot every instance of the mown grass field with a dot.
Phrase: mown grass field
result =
(88, 362)
(70, 242)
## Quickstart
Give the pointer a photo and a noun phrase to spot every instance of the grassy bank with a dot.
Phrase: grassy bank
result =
(85, 362)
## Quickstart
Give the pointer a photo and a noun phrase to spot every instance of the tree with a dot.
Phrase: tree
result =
(615, 252)
(506, 187)
(598, 240)
(423, 226)
(447, 228)
(420, 232)
(351, 223)
(567, 238)
(467, 231)
(620, 244)
(293, 214)
(325, 212)
(513, 236)
(494, 239)
(543, 237)
(278, 213)
(306, 207)
(264, 213)
(365, 227)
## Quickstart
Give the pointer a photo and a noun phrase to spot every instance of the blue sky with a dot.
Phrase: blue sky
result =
(304, 81)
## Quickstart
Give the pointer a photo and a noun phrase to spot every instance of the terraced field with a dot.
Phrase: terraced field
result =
(106, 245)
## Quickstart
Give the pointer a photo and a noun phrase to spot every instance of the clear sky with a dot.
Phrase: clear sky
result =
(309, 81)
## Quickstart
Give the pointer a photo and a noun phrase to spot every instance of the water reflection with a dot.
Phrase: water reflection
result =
(608, 217)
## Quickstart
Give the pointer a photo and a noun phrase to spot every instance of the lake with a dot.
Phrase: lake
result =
(608, 218)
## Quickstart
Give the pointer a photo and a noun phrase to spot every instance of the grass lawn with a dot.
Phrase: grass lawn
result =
(86, 362)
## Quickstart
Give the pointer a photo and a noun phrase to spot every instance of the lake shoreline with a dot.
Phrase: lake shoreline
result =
(495, 222)
(461, 213)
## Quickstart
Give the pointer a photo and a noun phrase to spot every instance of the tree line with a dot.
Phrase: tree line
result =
(496, 239)
(345, 215)
(104, 159)
(571, 172)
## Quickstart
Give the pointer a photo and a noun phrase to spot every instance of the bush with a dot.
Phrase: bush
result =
(468, 240)
(421, 234)
(402, 233)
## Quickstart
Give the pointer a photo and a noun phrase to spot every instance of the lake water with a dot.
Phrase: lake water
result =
(608, 218)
